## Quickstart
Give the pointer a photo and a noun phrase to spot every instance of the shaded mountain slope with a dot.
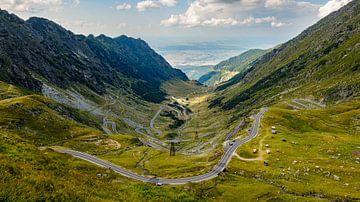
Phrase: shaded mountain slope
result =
(39, 49)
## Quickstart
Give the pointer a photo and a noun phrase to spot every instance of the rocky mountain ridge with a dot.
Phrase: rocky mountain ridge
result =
(39, 48)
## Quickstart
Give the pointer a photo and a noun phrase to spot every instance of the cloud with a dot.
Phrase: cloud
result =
(144, 5)
(123, 6)
(216, 22)
(275, 3)
(148, 4)
(168, 3)
(212, 13)
(289, 4)
(33, 6)
(279, 24)
(331, 6)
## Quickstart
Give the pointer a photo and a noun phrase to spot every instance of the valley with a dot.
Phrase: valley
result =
(203, 160)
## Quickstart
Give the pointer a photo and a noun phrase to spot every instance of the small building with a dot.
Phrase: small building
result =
(273, 131)
(266, 163)
(273, 127)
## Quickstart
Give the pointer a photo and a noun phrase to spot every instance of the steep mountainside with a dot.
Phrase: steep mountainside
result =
(241, 61)
(225, 70)
(39, 50)
(322, 62)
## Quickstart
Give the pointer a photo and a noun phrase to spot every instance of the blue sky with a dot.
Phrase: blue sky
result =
(180, 28)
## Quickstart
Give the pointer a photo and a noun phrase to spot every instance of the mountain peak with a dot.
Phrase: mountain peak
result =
(5, 15)
(45, 25)
(42, 47)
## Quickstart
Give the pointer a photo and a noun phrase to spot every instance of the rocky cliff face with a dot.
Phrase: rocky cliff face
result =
(39, 50)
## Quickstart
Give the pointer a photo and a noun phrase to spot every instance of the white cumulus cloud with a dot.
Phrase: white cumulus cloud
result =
(169, 3)
(123, 6)
(289, 4)
(148, 4)
(33, 6)
(275, 3)
(144, 5)
(239, 12)
(216, 22)
(331, 6)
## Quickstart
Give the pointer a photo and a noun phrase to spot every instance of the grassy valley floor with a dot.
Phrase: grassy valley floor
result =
(313, 157)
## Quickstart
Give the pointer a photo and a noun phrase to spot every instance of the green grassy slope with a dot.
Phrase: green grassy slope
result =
(29, 123)
(225, 70)
(320, 156)
(240, 62)
(40, 120)
(28, 173)
(321, 62)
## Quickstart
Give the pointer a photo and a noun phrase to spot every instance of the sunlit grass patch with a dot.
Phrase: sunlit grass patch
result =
(312, 151)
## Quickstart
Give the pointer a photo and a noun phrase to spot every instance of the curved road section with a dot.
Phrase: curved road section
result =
(159, 132)
(160, 181)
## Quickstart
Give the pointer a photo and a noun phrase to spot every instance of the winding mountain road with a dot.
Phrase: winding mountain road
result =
(151, 143)
(190, 140)
(160, 181)
(236, 130)
(152, 122)
(106, 123)
(138, 130)
(298, 102)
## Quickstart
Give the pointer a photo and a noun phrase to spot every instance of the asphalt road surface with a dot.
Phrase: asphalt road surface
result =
(301, 104)
(159, 132)
(236, 130)
(161, 181)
